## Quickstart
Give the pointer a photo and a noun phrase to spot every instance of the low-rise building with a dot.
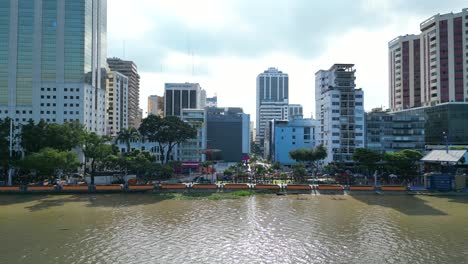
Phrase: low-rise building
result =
(421, 128)
(284, 136)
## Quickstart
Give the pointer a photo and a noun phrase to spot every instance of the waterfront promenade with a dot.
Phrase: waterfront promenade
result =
(255, 188)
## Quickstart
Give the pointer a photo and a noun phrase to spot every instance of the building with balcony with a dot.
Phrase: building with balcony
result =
(432, 67)
(129, 69)
(116, 103)
(340, 112)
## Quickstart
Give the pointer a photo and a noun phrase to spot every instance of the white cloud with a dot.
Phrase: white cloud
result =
(233, 41)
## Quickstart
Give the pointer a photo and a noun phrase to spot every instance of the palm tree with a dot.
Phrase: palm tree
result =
(127, 135)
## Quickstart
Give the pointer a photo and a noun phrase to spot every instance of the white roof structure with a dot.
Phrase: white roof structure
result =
(444, 156)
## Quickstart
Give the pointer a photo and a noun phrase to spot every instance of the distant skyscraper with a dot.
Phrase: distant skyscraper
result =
(212, 101)
(272, 99)
(53, 61)
(117, 103)
(295, 110)
(155, 105)
(178, 96)
(430, 68)
(129, 69)
(340, 111)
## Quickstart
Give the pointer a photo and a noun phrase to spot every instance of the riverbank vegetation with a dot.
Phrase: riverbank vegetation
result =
(45, 152)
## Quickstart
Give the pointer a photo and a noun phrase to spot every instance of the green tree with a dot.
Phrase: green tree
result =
(367, 158)
(298, 172)
(311, 156)
(96, 149)
(167, 132)
(35, 137)
(403, 163)
(128, 135)
(260, 172)
(49, 162)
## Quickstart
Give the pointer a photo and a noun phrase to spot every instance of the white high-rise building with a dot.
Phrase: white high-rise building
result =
(340, 111)
(117, 103)
(272, 100)
(53, 61)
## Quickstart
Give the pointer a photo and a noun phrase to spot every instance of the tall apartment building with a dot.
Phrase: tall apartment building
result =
(272, 99)
(116, 103)
(129, 69)
(405, 72)
(441, 65)
(178, 96)
(340, 111)
(53, 61)
(156, 105)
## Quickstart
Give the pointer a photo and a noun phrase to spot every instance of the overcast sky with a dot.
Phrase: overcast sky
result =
(225, 44)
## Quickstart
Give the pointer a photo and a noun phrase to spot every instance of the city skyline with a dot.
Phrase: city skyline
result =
(184, 42)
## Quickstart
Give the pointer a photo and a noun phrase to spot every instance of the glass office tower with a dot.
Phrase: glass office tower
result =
(53, 62)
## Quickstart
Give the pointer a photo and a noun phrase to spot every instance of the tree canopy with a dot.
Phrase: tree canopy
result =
(50, 162)
(167, 132)
(35, 137)
(403, 163)
(309, 155)
(367, 158)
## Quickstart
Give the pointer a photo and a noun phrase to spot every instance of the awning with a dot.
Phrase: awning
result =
(444, 156)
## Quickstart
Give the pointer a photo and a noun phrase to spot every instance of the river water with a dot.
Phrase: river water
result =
(138, 228)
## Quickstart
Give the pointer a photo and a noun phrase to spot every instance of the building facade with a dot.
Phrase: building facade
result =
(272, 100)
(421, 128)
(285, 136)
(178, 96)
(441, 64)
(156, 105)
(53, 61)
(229, 133)
(212, 101)
(295, 110)
(340, 111)
(405, 72)
(193, 150)
(394, 131)
(116, 103)
(129, 69)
